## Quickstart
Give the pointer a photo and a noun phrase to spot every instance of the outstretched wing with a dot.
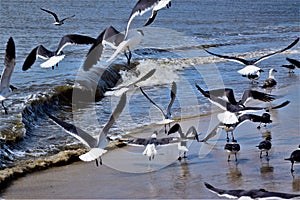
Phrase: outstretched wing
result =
(172, 96)
(67, 18)
(52, 13)
(276, 52)
(294, 62)
(9, 64)
(253, 94)
(231, 58)
(73, 39)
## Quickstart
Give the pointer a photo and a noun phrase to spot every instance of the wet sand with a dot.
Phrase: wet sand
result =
(126, 173)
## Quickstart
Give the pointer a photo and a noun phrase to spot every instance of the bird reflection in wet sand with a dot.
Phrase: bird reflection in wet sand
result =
(234, 173)
(296, 184)
(266, 168)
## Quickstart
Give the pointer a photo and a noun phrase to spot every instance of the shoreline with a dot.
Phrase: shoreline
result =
(181, 179)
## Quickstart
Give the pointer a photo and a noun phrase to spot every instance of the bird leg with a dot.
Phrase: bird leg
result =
(235, 157)
(228, 159)
(292, 167)
(5, 109)
(100, 160)
(232, 137)
(267, 155)
(128, 56)
(97, 164)
(260, 155)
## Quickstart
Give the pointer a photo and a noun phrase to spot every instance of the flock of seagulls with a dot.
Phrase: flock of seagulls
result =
(235, 112)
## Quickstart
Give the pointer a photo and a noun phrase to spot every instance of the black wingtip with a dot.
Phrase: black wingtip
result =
(174, 129)
(208, 186)
(11, 49)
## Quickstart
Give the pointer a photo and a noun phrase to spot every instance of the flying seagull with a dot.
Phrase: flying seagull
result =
(54, 57)
(294, 157)
(252, 194)
(292, 66)
(167, 116)
(270, 82)
(9, 65)
(143, 6)
(251, 70)
(191, 134)
(265, 145)
(229, 127)
(57, 21)
(96, 145)
(108, 37)
(228, 95)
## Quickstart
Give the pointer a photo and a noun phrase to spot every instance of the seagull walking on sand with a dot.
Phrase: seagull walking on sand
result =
(294, 157)
(270, 82)
(265, 145)
(251, 71)
(9, 65)
(96, 145)
(54, 57)
(57, 21)
(167, 116)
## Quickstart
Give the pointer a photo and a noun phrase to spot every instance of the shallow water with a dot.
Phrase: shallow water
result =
(248, 29)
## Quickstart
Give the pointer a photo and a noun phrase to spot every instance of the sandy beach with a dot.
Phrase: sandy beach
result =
(126, 173)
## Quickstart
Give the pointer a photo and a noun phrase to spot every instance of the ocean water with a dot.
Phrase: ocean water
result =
(172, 45)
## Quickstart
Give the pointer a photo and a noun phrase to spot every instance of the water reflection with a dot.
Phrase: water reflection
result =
(296, 184)
(266, 169)
(234, 173)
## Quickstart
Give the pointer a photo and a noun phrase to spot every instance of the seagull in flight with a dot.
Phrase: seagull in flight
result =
(143, 6)
(54, 57)
(108, 37)
(251, 71)
(9, 65)
(166, 115)
(57, 21)
(96, 145)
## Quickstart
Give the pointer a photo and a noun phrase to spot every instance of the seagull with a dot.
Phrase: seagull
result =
(292, 66)
(143, 6)
(108, 37)
(252, 194)
(265, 145)
(57, 21)
(229, 126)
(228, 95)
(270, 82)
(191, 134)
(294, 157)
(251, 70)
(9, 65)
(133, 38)
(235, 108)
(232, 148)
(166, 115)
(54, 57)
(96, 145)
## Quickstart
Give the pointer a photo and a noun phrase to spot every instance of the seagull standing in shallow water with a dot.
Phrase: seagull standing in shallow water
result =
(57, 21)
(166, 115)
(251, 71)
(96, 145)
(294, 157)
(54, 57)
(265, 145)
(270, 82)
(9, 65)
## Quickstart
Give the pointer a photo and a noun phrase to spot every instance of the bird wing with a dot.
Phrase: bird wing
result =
(176, 128)
(253, 94)
(122, 46)
(231, 58)
(211, 134)
(76, 132)
(294, 62)
(94, 53)
(52, 61)
(278, 106)
(67, 18)
(192, 134)
(221, 192)
(172, 98)
(276, 52)
(9, 64)
(158, 107)
(112, 37)
(152, 18)
(140, 8)
(73, 39)
(113, 117)
(52, 13)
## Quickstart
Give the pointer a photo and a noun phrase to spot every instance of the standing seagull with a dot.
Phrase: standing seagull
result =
(270, 82)
(265, 145)
(191, 134)
(292, 66)
(250, 70)
(57, 21)
(166, 115)
(54, 57)
(9, 65)
(232, 148)
(96, 145)
(143, 6)
(294, 157)
(109, 36)
(252, 194)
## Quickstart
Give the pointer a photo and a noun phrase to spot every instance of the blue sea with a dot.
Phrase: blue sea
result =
(172, 45)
